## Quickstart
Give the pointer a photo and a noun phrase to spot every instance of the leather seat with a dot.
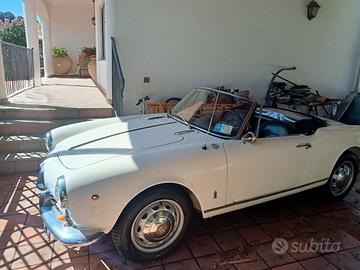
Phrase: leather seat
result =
(274, 128)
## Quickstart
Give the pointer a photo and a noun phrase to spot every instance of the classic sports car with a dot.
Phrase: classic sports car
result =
(140, 177)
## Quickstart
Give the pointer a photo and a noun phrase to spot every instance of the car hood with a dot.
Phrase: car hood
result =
(114, 139)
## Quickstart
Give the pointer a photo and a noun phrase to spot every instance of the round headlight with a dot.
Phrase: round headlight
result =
(60, 192)
(48, 142)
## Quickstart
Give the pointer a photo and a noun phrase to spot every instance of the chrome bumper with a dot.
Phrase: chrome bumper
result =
(63, 231)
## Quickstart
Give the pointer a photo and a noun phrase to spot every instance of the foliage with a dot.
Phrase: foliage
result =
(7, 15)
(59, 52)
(13, 31)
(88, 51)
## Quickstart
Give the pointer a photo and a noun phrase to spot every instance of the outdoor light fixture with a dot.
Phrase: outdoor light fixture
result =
(312, 9)
(93, 18)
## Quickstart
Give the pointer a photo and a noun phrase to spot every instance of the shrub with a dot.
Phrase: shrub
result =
(13, 31)
(59, 52)
(88, 51)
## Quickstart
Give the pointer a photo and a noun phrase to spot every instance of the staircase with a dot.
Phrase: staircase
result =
(23, 128)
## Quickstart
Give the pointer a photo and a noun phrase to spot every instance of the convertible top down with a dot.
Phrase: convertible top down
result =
(139, 177)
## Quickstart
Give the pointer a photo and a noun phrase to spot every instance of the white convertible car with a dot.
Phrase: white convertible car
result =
(140, 177)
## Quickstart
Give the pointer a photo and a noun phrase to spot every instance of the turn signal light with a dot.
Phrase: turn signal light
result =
(61, 217)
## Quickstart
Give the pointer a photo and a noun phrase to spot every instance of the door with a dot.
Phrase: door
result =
(268, 166)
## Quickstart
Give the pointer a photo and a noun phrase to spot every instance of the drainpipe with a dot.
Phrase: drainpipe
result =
(357, 80)
(32, 37)
(3, 96)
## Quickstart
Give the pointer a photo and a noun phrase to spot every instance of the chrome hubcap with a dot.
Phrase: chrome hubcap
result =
(157, 226)
(342, 178)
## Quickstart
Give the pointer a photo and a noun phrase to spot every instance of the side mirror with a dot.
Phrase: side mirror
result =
(249, 137)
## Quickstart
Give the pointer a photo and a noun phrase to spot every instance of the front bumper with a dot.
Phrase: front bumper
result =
(64, 232)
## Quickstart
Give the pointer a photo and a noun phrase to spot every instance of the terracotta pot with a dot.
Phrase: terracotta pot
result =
(92, 68)
(84, 61)
(62, 64)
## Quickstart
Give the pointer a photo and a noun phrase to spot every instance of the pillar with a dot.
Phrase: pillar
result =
(47, 48)
(32, 38)
(3, 95)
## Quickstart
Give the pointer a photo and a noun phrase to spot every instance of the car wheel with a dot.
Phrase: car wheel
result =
(152, 224)
(343, 177)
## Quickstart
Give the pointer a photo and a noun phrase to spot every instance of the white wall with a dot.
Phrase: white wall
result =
(187, 43)
(71, 26)
(104, 65)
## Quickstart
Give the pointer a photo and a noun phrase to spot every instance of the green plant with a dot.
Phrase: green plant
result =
(88, 51)
(59, 52)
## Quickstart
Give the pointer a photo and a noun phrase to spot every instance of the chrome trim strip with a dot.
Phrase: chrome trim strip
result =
(184, 132)
(265, 196)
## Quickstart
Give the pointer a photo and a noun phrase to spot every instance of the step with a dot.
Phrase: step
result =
(32, 127)
(23, 112)
(22, 143)
(24, 162)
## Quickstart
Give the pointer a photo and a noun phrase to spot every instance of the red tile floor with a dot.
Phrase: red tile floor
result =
(239, 240)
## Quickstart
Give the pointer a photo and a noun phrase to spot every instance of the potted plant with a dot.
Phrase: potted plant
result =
(89, 55)
(61, 61)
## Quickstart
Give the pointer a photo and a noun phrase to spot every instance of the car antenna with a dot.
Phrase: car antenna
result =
(211, 120)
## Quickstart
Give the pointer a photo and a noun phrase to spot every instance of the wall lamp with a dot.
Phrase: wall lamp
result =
(93, 21)
(312, 9)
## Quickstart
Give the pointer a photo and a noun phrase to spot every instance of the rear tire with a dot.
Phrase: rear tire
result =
(342, 178)
(153, 224)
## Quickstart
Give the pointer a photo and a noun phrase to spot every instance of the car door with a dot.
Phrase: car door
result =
(264, 168)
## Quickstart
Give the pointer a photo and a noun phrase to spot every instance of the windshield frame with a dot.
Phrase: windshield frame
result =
(242, 128)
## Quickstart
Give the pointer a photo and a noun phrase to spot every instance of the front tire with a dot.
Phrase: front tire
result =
(342, 178)
(152, 224)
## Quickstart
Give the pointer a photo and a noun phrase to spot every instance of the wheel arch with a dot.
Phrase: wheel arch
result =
(355, 151)
(188, 192)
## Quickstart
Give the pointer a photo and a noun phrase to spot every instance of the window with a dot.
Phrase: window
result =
(103, 44)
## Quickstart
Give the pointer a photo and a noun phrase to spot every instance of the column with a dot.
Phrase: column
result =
(109, 32)
(3, 96)
(32, 38)
(47, 48)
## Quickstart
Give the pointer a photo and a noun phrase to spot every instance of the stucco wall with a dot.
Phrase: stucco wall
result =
(104, 65)
(71, 26)
(187, 43)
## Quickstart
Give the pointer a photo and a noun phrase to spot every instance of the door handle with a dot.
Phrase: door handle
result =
(306, 145)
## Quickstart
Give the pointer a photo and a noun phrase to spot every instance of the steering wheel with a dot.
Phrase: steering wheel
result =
(232, 111)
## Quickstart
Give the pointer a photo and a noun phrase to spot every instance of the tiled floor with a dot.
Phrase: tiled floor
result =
(239, 240)
(63, 92)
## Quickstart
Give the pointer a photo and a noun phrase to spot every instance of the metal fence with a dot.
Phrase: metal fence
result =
(18, 67)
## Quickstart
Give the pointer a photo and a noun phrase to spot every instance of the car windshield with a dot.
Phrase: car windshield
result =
(207, 109)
